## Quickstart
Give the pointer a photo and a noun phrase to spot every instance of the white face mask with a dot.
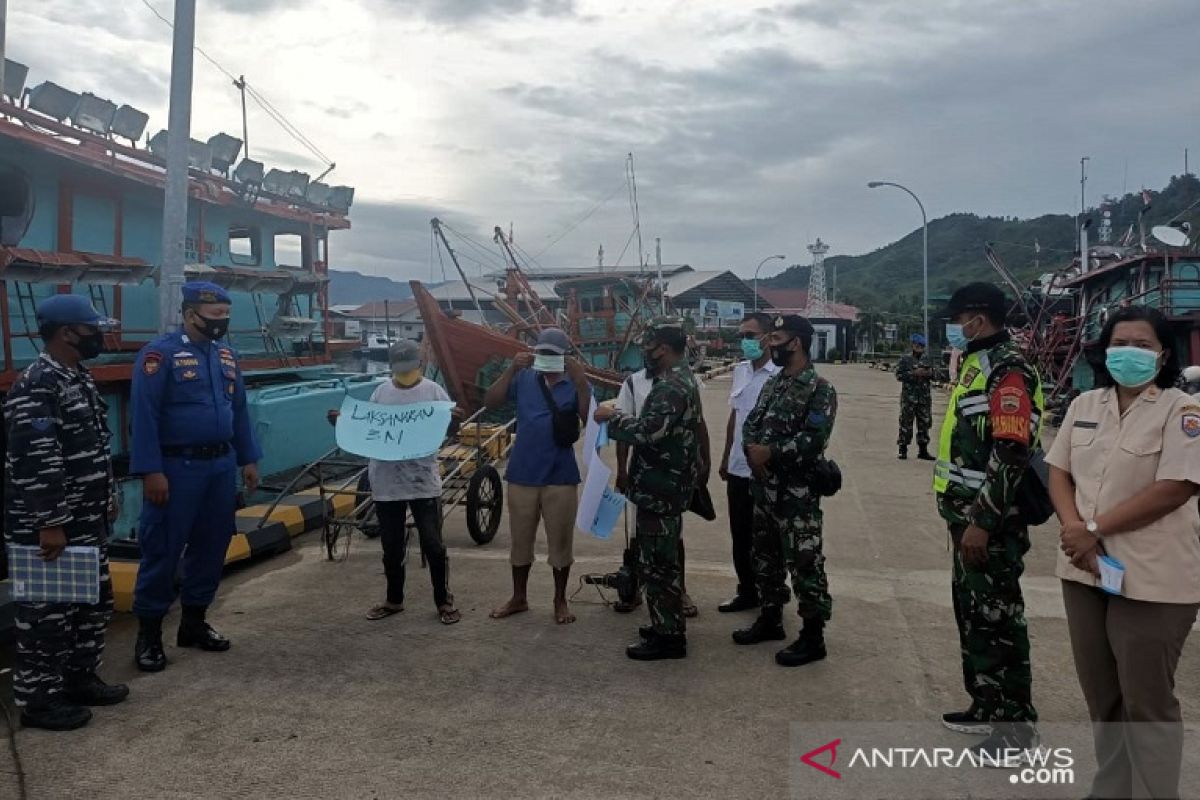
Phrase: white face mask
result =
(545, 362)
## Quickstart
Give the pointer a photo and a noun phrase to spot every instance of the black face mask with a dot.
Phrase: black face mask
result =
(780, 355)
(213, 329)
(89, 345)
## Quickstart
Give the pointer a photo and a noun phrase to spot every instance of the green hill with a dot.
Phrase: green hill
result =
(889, 279)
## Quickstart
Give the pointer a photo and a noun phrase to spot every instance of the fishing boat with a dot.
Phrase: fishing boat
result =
(81, 210)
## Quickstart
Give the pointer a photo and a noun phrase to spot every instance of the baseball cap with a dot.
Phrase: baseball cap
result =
(404, 355)
(979, 296)
(553, 340)
(71, 309)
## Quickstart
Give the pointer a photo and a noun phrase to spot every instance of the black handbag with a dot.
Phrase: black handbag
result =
(564, 424)
(1033, 494)
(825, 480)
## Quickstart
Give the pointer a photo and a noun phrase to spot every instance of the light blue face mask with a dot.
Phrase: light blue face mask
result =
(955, 336)
(1131, 366)
(545, 362)
(752, 349)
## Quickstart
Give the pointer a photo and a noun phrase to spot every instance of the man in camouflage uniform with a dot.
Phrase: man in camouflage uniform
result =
(663, 476)
(990, 430)
(59, 492)
(916, 400)
(784, 437)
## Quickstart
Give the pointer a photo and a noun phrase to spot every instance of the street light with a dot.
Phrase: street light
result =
(924, 250)
(756, 269)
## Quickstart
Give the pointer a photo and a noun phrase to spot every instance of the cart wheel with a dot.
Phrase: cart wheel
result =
(485, 503)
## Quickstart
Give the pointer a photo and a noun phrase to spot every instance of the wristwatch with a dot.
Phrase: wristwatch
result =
(1093, 528)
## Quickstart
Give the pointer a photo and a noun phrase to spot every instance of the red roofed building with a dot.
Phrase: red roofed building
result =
(834, 329)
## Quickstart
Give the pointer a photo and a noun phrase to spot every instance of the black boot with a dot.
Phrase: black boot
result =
(808, 648)
(903, 452)
(194, 631)
(660, 646)
(148, 651)
(58, 715)
(924, 454)
(742, 601)
(647, 632)
(88, 690)
(767, 628)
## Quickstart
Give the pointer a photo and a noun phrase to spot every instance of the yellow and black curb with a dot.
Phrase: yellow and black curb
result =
(261, 531)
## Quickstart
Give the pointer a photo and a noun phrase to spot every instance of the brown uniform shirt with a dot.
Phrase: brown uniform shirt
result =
(1113, 458)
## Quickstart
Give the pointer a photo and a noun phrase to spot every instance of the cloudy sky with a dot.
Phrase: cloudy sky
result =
(755, 125)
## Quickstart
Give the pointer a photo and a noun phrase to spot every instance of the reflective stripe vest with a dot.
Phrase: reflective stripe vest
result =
(969, 405)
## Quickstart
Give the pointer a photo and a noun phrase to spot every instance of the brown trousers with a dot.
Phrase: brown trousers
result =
(1126, 652)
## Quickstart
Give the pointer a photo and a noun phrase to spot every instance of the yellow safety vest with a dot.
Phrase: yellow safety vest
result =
(969, 404)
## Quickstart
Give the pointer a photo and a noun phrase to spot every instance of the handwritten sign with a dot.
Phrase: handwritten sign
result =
(392, 433)
(612, 503)
(599, 505)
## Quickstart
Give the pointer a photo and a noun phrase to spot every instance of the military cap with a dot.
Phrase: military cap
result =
(918, 339)
(404, 355)
(978, 296)
(204, 292)
(793, 323)
(70, 309)
(662, 327)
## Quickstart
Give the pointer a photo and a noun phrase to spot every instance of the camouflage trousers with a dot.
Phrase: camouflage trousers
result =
(59, 642)
(992, 631)
(660, 571)
(919, 410)
(786, 543)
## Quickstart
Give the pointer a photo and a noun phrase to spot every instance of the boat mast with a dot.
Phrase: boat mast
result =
(175, 199)
(437, 229)
(3, 17)
(637, 217)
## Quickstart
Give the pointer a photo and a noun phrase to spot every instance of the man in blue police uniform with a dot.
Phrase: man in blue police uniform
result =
(191, 432)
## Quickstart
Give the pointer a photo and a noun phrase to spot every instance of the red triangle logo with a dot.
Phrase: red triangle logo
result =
(832, 747)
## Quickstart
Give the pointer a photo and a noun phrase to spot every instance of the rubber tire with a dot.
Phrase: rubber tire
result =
(486, 473)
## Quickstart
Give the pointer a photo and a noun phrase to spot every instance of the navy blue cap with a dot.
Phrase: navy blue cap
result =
(204, 292)
(918, 338)
(794, 323)
(70, 309)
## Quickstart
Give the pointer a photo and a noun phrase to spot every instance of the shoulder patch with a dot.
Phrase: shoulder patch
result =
(42, 424)
(151, 362)
(1190, 423)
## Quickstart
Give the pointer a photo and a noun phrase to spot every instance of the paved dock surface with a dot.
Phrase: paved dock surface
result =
(314, 701)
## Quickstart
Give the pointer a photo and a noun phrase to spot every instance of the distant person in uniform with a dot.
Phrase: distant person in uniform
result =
(1191, 381)
(749, 378)
(630, 399)
(916, 399)
(991, 429)
(542, 475)
(59, 492)
(785, 436)
(666, 470)
(1124, 473)
(191, 434)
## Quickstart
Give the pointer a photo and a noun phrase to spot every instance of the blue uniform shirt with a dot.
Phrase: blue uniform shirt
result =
(188, 394)
(535, 459)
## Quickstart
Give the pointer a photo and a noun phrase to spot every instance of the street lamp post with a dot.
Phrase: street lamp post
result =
(756, 270)
(924, 251)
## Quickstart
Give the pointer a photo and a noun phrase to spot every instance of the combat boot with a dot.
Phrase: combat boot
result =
(148, 651)
(924, 455)
(767, 628)
(903, 452)
(57, 715)
(88, 690)
(659, 646)
(806, 649)
(194, 631)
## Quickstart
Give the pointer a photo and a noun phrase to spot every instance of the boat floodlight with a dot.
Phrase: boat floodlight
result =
(341, 198)
(53, 100)
(94, 114)
(286, 184)
(225, 150)
(249, 172)
(15, 74)
(199, 154)
(129, 123)
(318, 193)
(158, 144)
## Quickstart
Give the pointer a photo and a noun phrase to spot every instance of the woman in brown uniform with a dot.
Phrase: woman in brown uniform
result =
(1124, 469)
